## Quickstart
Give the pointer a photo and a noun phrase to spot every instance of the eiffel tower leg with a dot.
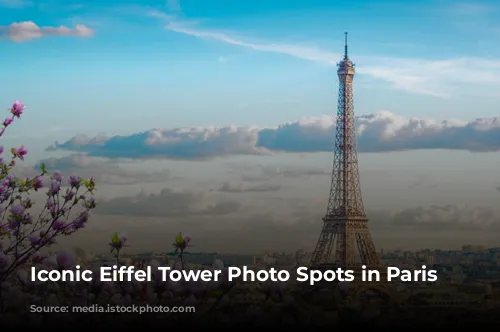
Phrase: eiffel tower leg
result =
(365, 246)
(351, 249)
(340, 252)
(320, 249)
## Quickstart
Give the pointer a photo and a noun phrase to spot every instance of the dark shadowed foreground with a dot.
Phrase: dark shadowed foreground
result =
(226, 303)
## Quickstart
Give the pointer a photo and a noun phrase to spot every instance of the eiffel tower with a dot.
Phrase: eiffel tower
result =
(345, 225)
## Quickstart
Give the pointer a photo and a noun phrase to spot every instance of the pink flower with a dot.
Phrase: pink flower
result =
(118, 241)
(38, 183)
(181, 242)
(58, 225)
(20, 152)
(74, 181)
(8, 121)
(65, 260)
(57, 176)
(37, 259)
(54, 187)
(17, 108)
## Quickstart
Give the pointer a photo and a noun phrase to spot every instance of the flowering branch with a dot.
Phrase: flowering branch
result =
(65, 210)
(117, 243)
(180, 244)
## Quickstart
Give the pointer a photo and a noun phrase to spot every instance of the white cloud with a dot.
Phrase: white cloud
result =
(377, 132)
(28, 30)
(306, 53)
(438, 78)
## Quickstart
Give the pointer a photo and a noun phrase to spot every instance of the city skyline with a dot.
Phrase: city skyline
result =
(243, 99)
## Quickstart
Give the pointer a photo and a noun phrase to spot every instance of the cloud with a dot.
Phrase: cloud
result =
(168, 203)
(241, 187)
(273, 172)
(246, 231)
(377, 132)
(28, 30)
(266, 172)
(182, 143)
(306, 53)
(104, 170)
(427, 181)
(449, 217)
(436, 78)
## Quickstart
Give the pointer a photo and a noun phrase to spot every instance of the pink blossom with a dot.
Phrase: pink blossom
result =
(58, 225)
(38, 183)
(18, 220)
(17, 108)
(37, 259)
(20, 152)
(74, 181)
(8, 121)
(54, 187)
(65, 260)
(123, 238)
(57, 176)
(118, 241)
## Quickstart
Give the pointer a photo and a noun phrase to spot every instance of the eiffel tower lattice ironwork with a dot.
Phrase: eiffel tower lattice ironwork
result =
(345, 239)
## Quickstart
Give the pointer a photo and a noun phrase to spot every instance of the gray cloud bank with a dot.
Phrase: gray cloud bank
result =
(378, 132)
(152, 221)
(104, 170)
(168, 203)
(186, 204)
(241, 187)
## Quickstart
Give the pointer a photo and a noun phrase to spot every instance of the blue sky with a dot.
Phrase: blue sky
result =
(170, 63)
(123, 67)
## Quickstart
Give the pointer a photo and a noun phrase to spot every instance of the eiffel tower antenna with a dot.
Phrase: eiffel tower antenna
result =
(345, 236)
(345, 47)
